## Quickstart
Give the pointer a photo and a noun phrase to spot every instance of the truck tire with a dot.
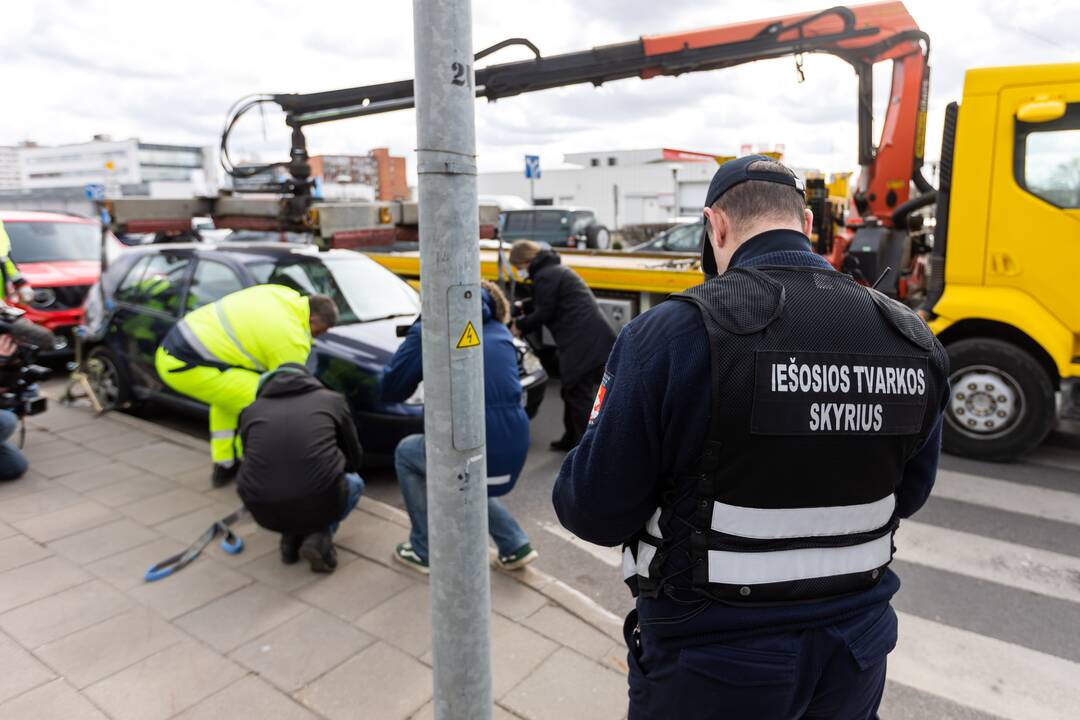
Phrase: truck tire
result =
(109, 379)
(597, 237)
(1001, 404)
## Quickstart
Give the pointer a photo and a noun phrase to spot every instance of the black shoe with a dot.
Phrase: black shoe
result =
(318, 550)
(222, 475)
(290, 548)
(563, 445)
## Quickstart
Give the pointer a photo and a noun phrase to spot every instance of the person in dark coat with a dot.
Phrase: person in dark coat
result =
(301, 461)
(507, 436)
(565, 304)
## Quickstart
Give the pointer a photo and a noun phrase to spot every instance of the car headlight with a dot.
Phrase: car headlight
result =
(530, 363)
(43, 297)
(417, 398)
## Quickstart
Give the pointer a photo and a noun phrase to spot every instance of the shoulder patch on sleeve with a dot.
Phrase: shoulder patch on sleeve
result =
(598, 404)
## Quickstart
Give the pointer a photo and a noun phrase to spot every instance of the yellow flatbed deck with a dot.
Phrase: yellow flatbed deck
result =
(611, 271)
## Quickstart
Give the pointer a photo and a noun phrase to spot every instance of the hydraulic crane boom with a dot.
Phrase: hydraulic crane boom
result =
(861, 35)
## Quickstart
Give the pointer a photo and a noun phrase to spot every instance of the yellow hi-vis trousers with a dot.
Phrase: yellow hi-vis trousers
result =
(227, 392)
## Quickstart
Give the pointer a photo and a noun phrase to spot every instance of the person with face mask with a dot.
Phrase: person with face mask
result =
(563, 303)
(756, 442)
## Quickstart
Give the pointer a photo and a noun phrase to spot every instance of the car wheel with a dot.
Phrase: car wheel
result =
(597, 237)
(108, 378)
(1001, 402)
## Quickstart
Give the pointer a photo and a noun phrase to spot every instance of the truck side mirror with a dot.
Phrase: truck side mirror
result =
(1040, 110)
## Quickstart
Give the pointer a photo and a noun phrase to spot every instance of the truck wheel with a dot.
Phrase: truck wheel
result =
(109, 379)
(1001, 404)
(597, 237)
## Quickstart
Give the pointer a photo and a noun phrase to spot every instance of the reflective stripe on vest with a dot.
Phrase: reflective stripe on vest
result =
(637, 559)
(775, 523)
(227, 326)
(196, 344)
(741, 568)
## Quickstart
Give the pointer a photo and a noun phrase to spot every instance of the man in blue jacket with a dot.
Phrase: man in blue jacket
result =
(754, 444)
(507, 436)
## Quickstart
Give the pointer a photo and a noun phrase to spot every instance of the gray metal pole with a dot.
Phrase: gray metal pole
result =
(453, 361)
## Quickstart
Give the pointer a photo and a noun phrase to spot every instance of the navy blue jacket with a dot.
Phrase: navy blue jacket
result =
(652, 422)
(504, 417)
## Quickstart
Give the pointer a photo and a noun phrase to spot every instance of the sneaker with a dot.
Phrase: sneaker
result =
(563, 445)
(517, 559)
(405, 555)
(318, 550)
(290, 549)
(222, 476)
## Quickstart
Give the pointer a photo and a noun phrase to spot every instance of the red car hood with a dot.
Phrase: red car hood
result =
(61, 272)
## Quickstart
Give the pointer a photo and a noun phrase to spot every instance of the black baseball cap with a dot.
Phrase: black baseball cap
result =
(730, 174)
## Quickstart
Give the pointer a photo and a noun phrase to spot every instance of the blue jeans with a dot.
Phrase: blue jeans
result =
(356, 489)
(13, 463)
(411, 464)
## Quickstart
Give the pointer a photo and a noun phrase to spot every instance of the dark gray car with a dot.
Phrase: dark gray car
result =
(558, 227)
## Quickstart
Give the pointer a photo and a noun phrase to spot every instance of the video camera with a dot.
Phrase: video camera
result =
(19, 373)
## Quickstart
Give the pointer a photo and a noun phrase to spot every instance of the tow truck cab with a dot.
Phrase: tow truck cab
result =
(1003, 291)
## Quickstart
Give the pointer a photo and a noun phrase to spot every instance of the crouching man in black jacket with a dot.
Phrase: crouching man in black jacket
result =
(301, 457)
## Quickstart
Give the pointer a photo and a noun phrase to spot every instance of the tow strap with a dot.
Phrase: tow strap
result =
(230, 543)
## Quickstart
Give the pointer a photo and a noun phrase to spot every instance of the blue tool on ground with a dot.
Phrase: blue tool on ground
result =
(230, 543)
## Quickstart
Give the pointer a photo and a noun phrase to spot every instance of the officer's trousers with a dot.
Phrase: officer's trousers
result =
(227, 392)
(835, 672)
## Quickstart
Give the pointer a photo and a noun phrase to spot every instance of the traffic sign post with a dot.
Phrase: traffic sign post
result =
(532, 173)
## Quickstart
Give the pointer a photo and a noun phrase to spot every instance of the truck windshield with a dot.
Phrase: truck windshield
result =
(33, 242)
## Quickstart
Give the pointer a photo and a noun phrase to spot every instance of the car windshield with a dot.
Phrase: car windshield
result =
(33, 242)
(684, 238)
(363, 290)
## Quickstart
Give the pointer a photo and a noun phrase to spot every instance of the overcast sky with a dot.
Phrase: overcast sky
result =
(168, 72)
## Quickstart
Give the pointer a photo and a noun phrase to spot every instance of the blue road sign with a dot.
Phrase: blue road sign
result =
(532, 167)
(94, 191)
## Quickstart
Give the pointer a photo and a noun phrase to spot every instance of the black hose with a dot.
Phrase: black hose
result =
(900, 214)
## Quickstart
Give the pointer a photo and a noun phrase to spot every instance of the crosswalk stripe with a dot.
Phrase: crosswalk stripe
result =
(1018, 566)
(606, 555)
(984, 673)
(1013, 497)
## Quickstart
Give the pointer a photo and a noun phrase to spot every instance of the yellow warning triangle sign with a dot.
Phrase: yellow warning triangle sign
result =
(469, 338)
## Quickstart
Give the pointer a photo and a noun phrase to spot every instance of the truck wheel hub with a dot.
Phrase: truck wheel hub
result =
(984, 400)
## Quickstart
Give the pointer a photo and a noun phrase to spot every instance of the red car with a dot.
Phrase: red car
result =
(60, 256)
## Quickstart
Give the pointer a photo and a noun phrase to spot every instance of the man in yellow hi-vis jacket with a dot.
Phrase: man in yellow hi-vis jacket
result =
(14, 283)
(217, 353)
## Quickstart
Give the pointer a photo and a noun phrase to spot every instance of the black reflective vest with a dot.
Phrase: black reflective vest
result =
(822, 389)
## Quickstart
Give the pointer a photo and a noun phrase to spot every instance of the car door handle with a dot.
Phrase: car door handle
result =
(1003, 263)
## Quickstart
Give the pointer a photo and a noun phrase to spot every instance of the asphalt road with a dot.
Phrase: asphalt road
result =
(990, 605)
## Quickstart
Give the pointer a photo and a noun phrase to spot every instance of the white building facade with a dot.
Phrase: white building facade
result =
(156, 170)
(623, 187)
(10, 176)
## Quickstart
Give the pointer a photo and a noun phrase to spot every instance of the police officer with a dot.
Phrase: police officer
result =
(216, 353)
(754, 444)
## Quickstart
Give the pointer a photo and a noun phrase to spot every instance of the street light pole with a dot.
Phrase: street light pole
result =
(453, 359)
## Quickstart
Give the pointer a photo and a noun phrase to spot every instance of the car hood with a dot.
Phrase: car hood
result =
(61, 272)
(375, 340)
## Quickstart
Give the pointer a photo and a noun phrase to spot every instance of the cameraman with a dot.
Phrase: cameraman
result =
(13, 463)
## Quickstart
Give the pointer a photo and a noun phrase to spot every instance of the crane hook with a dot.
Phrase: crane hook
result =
(798, 67)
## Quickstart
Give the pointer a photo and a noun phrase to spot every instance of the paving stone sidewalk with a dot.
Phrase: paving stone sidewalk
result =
(83, 637)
